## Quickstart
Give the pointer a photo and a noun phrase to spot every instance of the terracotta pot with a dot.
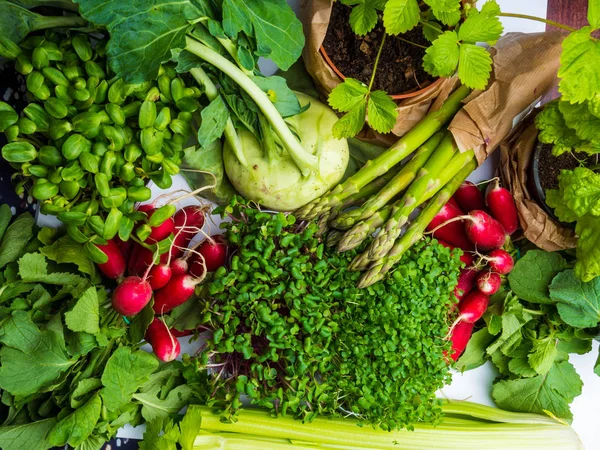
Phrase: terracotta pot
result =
(429, 84)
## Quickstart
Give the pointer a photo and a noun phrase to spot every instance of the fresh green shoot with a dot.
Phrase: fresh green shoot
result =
(364, 17)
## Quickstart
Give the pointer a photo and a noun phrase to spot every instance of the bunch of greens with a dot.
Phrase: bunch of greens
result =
(531, 329)
(88, 142)
(70, 368)
(452, 50)
(292, 331)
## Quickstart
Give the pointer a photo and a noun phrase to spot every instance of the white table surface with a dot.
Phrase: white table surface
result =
(476, 385)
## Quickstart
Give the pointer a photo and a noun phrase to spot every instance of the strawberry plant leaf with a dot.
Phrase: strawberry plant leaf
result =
(363, 18)
(580, 79)
(432, 30)
(447, 18)
(593, 14)
(444, 5)
(399, 16)
(381, 112)
(347, 95)
(441, 59)
(474, 66)
(352, 122)
(482, 26)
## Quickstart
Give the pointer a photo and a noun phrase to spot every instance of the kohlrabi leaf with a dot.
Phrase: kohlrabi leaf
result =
(579, 62)
(351, 123)
(482, 26)
(554, 130)
(441, 59)
(399, 16)
(347, 95)
(587, 266)
(593, 14)
(142, 33)
(280, 94)
(447, 18)
(381, 112)
(578, 302)
(214, 119)
(273, 24)
(474, 66)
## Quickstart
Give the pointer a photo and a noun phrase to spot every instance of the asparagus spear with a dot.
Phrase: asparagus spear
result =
(359, 232)
(396, 185)
(415, 231)
(374, 168)
(423, 188)
(334, 237)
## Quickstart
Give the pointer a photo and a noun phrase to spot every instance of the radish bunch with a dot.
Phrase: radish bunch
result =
(483, 232)
(170, 278)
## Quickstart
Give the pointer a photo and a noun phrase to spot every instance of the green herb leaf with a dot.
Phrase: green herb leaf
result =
(482, 26)
(5, 218)
(399, 16)
(587, 266)
(274, 24)
(363, 17)
(351, 123)
(581, 191)
(32, 266)
(474, 66)
(521, 367)
(444, 5)
(83, 388)
(154, 407)
(579, 118)
(160, 437)
(381, 112)
(66, 251)
(15, 239)
(214, 119)
(578, 62)
(18, 331)
(441, 59)
(347, 95)
(432, 30)
(593, 14)
(475, 355)
(125, 372)
(543, 354)
(551, 392)
(26, 436)
(533, 274)
(77, 426)
(190, 427)
(554, 130)
(449, 19)
(85, 315)
(578, 302)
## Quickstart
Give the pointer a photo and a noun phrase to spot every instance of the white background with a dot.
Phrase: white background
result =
(476, 385)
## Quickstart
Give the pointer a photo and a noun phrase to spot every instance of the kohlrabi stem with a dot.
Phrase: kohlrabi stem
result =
(45, 22)
(538, 19)
(230, 134)
(306, 162)
(376, 62)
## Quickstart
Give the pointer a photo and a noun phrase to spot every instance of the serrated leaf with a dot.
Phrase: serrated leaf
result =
(441, 59)
(65, 250)
(578, 301)
(482, 26)
(543, 354)
(444, 5)
(432, 30)
(587, 267)
(85, 314)
(363, 18)
(533, 273)
(347, 95)
(351, 123)
(579, 60)
(381, 112)
(578, 117)
(447, 18)
(554, 130)
(474, 66)
(399, 16)
(189, 427)
(593, 14)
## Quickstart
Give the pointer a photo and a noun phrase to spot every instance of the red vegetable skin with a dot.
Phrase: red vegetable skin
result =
(131, 295)
(469, 197)
(141, 258)
(488, 283)
(472, 307)
(484, 231)
(466, 257)
(179, 266)
(161, 231)
(124, 246)
(466, 282)
(114, 268)
(214, 252)
(460, 338)
(453, 232)
(502, 205)
(178, 290)
(190, 217)
(164, 343)
(159, 276)
(500, 261)
(454, 203)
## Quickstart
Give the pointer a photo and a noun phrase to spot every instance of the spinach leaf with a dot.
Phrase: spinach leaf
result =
(26, 436)
(578, 302)
(17, 235)
(533, 274)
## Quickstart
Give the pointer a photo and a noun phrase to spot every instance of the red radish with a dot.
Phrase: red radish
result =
(115, 266)
(159, 276)
(164, 344)
(214, 255)
(187, 221)
(454, 203)
(179, 267)
(466, 282)
(453, 232)
(178, 290)
(469, 197)
(500, 261)
(183, 333)
(472, 307)
(131, 295)
(124, 246)
(466, 257)
(502, 205)
(484, 231)
(161, 231)
(460, 338)
(488, 283)
(146, 208)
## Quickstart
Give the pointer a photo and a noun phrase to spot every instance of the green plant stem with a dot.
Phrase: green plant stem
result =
(58, 22)
(396, 185)
(378, 166)
(359, 232)
(539, 19)
(306, 162)
(415, 232)
(212, 94)
(377, 61)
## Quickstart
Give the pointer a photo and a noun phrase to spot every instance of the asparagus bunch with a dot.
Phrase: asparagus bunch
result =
(433, 174)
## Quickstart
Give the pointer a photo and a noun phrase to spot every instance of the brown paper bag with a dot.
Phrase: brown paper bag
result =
(315, 18)
(525, 67)
(515, 157)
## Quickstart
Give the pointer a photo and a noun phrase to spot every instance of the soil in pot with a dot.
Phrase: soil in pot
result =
(400, 68)
(551, 166)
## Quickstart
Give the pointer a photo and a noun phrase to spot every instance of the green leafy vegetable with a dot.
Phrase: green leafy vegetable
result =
(85, 315)
(363, 17)
(532, 275)
(399, 16)
(581, 54)
(77, 427)
(578, 302)
(15, 238)
(28, 435)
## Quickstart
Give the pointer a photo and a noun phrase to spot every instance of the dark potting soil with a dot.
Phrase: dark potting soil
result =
(550, 166)
(400, 68)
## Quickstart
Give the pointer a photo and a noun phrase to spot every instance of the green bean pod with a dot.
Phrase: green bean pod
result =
(19, 152)
(75, 145)
(69, 189)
